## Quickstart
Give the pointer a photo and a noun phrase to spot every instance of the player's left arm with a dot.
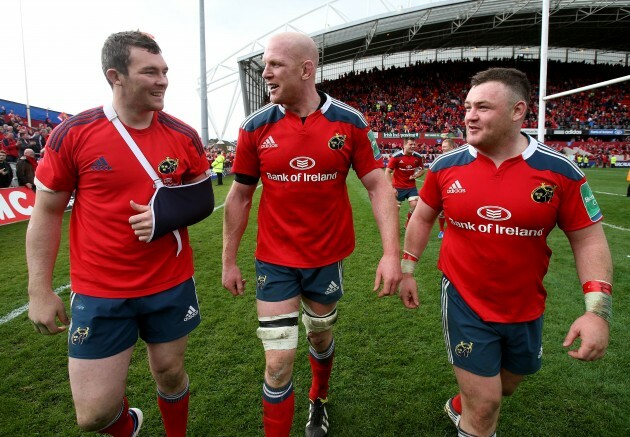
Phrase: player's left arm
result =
(144, 224)
(594, 267)
(385, 213)
(418, 173)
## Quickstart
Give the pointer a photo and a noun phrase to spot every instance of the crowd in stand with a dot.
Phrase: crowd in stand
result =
(22, 145)
(17, 135)
(429, 97)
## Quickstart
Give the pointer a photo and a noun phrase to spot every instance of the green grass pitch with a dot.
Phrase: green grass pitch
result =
(391, 376)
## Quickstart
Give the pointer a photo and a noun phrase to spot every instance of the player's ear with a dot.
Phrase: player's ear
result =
(308, 69)
(519, 110)
(113, 76)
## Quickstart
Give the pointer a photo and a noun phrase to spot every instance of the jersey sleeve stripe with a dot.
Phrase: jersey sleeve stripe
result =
(546, 158)
(345, 107)
(59, 133)
(270, 113)
(253, 114)
(459, 156)
(181, 127)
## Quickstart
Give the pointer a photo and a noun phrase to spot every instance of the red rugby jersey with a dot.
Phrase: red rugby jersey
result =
(495, 250)
(87, 154)
(304, 217)
(404, 167)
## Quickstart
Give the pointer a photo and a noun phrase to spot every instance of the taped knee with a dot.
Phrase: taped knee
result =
(315, 323)
(278, 332)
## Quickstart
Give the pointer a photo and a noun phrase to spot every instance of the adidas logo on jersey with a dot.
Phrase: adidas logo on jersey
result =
(268, 143)
(100, 165)
(456, 188)
(332, 287)
(191, 313)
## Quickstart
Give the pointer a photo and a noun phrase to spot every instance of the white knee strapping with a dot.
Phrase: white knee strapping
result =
(279, 332)
(314, 323)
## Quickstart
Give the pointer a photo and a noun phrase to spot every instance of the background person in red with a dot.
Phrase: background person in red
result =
(302, 147)
(122, 285)
(406, 166)
(503, 193)
(9, 144)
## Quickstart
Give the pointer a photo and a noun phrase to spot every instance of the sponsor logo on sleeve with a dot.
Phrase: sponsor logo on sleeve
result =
(591, 205)
(375, 150)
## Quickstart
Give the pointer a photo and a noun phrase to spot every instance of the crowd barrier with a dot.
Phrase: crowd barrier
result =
(16, 204)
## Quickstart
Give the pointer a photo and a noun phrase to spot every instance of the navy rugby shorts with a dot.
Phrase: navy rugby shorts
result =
(276, 283)
(484, 348)
(103, 327)
(405, 193)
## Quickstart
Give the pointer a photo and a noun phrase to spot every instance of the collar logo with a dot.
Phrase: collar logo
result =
(337, 142)
(544, 193)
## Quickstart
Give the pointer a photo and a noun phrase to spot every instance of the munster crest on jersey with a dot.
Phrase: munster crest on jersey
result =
(544, 193)
(337, 142)
(168, 166)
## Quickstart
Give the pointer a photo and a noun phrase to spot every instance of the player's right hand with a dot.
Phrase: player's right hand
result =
(232, 280)
(44, 309)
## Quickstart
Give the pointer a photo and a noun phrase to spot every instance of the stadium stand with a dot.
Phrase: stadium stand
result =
(429, 97)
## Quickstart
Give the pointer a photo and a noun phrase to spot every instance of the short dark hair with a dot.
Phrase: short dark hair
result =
(115, 52)
(512, 78)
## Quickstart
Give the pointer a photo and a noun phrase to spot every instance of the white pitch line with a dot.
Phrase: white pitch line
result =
(615, 227)
(17, 312)
(610, 194)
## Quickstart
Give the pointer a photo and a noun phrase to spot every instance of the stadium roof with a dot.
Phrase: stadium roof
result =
(585, 24)
(602, 25)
